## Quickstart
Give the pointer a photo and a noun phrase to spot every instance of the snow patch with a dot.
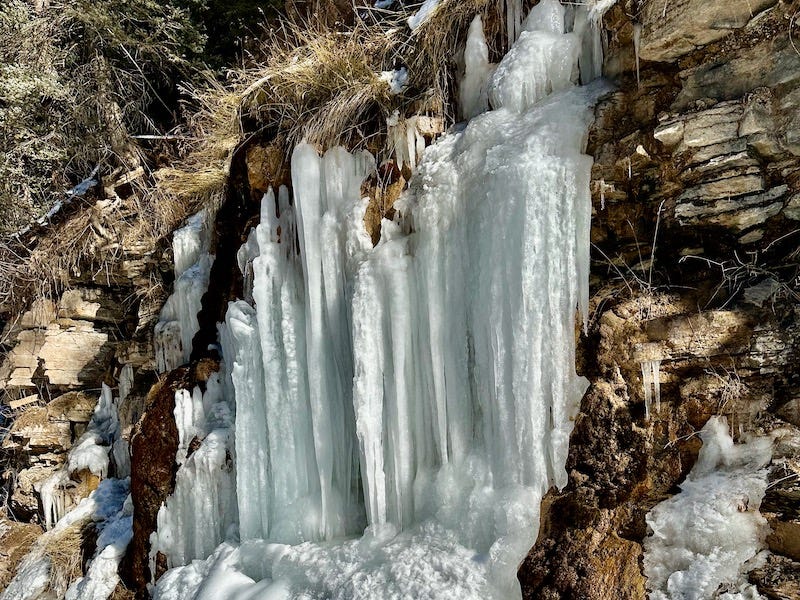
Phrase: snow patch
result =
(711, 533)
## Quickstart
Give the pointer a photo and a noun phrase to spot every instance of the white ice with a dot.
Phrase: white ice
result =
(473, 91)
(113, 514)
(397, 79)
(405, 140)
(425, 11)
(107, 507)
(424, 388)
(202, 508)
(541, 62)
(710, 534)
(177, 323)
(93, 452)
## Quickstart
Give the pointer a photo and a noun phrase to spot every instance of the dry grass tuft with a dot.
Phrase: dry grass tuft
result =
(91, 244)
(319, 84)
(65, 548)
(310, 81)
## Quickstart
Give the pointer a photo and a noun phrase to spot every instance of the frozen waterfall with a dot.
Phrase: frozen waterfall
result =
(418, 394)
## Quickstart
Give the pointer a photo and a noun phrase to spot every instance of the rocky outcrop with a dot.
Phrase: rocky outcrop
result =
(36, 447)
(670, 30)
(154, 443)
(694, 184)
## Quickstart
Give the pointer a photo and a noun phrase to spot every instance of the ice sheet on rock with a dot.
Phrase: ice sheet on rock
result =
(92, 452)
(106, 506)
(31, 581)
(710, 533)
(177, 323)
(114, 517)
(191, 241)
(542, 60)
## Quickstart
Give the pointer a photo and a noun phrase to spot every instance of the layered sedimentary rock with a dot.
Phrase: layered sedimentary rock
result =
(694, 181)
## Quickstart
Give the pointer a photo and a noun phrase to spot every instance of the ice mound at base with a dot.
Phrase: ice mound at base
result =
(402, 409)
(710, 533)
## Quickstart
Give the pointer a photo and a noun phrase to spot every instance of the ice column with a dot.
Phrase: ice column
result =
(202, 507)
(473, 93)
(177, 323)
(277, 477)
(330, 225)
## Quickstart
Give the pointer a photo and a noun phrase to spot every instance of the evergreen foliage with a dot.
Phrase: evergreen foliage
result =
(76, 78)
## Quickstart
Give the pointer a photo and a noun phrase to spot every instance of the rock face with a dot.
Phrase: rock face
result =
(154, 443)
(676, 28)
(694, 185)
(696, 202)
(36, 447)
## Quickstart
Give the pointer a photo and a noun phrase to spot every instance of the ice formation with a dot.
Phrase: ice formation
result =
(405, 140)
(177, 323)
(112, 510)
(425, 11)
(202, 508)
(539, 63)
(419, 394)
(473, 92)
(710, 533)
(112, 513)
(651, 381)
(93, 452)
(396, 79)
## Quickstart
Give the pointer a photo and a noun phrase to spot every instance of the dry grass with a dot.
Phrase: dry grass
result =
(91, 244)
(313, 82)
(317, 83)
(64, 548)
(308, 81)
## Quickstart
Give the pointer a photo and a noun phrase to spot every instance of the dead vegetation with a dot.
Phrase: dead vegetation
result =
(65, 550)
(320, 83)
(305, 80)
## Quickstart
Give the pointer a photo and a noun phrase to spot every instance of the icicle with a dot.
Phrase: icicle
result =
(637, 36)
(473, 94)
(513, 19)
(178, 323)
(405, 140)
(651, 380)
(602, 187)
(202, 507)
